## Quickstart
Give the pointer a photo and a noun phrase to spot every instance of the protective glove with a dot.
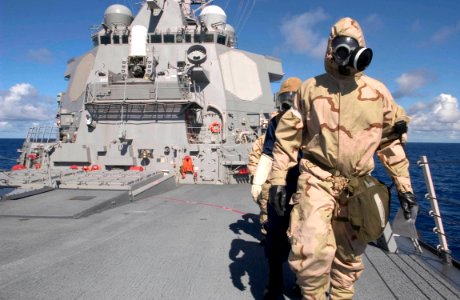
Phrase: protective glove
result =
(407, 201)
(277, 198)
(255, 192)
(263, 169)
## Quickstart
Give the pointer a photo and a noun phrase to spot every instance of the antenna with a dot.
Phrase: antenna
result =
(203, 4)
(245, 14)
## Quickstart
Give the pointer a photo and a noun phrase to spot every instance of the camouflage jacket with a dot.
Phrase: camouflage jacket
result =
(339, 123)
(255, 154)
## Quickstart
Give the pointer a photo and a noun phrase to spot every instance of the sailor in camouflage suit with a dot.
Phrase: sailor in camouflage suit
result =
(262, 199)
(342, 119)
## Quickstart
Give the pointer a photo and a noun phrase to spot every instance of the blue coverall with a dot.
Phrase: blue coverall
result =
(277, 246)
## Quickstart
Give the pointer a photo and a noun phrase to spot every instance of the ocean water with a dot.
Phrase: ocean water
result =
(444, 161)
(9, 153)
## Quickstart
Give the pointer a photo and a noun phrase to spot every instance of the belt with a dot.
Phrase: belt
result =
(339, 182)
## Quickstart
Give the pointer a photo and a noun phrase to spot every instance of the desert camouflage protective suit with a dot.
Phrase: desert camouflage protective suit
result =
(254, 156)
(345, 120)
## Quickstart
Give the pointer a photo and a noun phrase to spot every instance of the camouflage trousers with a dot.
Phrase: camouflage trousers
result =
(325, 254)
(263, 202)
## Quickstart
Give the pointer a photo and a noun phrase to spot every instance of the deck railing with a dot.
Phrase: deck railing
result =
(435, 213)
(42, 134)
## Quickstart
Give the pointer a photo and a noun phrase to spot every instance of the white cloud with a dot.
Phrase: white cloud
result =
(445, 33)
(410, 82)
(416, 26)
(419, 106)
(41, 55)
(438, 120)
(22, 102)
(4, 124)
(372, 23)
(445, 109)
(300, 35)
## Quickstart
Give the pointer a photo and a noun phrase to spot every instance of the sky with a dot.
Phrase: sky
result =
(415, 43)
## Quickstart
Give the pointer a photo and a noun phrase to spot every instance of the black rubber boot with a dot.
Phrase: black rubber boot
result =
(294, 292)
(274, 290)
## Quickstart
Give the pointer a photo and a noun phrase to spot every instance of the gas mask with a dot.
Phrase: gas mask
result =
(346, 52)
(285, 100)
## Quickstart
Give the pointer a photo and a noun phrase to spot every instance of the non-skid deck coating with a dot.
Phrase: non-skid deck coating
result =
(61, 203)
(195, 242)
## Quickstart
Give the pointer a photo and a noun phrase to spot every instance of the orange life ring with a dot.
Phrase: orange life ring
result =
(215, 127)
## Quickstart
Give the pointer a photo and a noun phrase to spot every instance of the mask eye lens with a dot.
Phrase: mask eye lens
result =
(285, 100)
(286, 97)
(342, 52)
(343, 47)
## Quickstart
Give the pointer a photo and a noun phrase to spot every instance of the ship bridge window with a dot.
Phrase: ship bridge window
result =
(95, 41)
(116, 39)
(197, 38)
(124, 39)
(105, 39)
(188, 38)
(209, 38)
(168, 38)
(221, 39)
(155, 38)
(179, 38)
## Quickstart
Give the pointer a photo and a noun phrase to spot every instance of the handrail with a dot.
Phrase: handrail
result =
(183, 90)
(42, 134)
(435, 213)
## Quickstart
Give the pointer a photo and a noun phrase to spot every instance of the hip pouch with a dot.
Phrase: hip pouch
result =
(368, 206)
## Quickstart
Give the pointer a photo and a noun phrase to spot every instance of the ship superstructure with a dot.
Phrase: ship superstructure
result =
(163, 91)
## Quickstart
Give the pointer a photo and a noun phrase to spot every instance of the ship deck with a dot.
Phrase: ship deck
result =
(194, 242)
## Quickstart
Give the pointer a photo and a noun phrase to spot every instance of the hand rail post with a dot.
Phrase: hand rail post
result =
(443, 247)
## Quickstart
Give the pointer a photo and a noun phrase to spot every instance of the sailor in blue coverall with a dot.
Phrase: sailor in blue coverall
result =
(277, 246)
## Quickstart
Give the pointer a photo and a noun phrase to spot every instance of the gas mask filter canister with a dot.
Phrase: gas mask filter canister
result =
(347, 52)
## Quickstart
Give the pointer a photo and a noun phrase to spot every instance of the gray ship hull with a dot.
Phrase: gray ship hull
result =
(193, 242)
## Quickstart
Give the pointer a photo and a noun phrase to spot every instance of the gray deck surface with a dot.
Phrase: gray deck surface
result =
(59, 203)
(195, 242)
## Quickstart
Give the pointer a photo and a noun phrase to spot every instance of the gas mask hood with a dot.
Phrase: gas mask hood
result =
(346, 52)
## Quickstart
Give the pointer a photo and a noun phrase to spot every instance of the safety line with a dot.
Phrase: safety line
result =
(202, 203)
(7, 158)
